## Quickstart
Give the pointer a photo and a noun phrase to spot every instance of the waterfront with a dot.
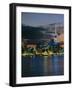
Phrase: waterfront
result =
(42, 65)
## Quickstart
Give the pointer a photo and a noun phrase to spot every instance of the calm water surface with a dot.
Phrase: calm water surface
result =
(42, 66)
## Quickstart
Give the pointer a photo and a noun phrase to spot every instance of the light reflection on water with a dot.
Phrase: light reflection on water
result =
(42, 66)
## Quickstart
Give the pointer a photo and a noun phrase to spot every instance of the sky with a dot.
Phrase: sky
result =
(39, 19)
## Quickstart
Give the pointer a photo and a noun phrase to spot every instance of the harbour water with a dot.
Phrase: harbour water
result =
(42, 65)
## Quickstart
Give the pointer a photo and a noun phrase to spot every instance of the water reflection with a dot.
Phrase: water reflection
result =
(42, 66)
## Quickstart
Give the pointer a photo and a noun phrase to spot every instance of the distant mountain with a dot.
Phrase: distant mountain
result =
(41, 32)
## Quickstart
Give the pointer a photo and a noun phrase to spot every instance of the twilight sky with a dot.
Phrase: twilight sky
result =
(38, 19)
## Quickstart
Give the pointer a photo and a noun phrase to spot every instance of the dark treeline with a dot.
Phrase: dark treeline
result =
(29, 32)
